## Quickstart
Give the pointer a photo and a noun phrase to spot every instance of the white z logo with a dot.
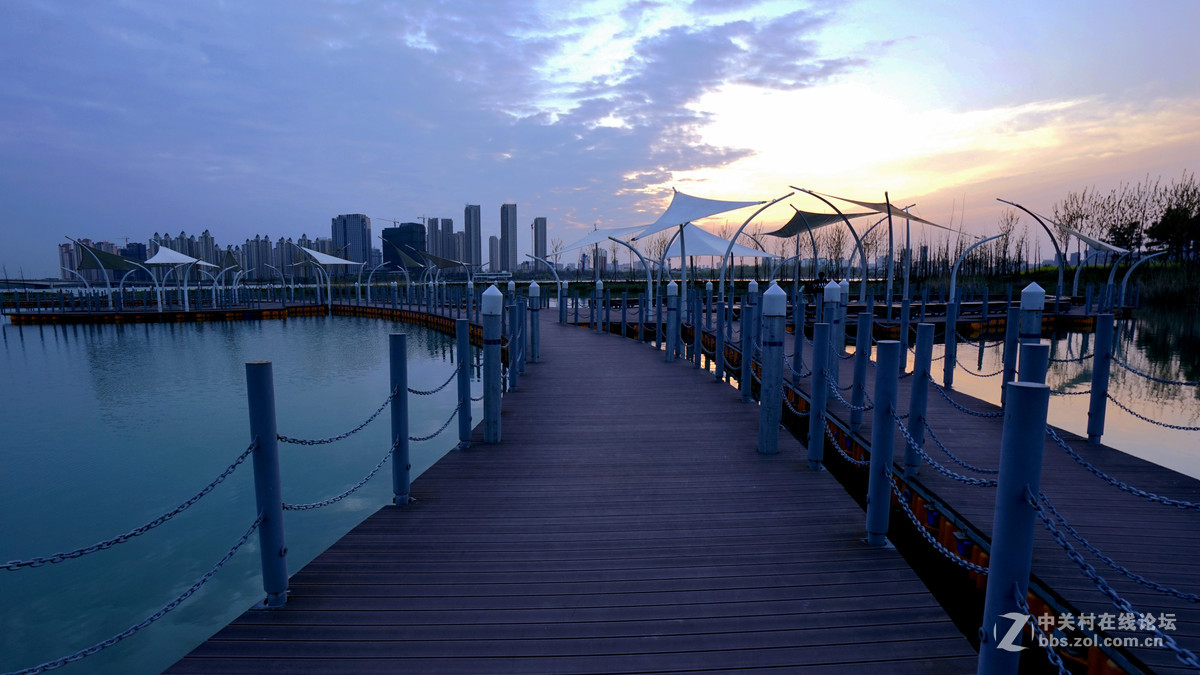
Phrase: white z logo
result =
(1009, 642)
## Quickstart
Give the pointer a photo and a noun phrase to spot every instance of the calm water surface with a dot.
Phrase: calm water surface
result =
(108, 427)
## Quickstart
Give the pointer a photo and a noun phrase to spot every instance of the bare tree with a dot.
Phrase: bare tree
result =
(556, 247)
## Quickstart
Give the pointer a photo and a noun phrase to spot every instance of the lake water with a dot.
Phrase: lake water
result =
(109, 427)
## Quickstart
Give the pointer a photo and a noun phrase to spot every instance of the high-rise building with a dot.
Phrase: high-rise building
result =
(407, 237)
(508, 237)
(352, 237)
(447, 243)
(460, 240)
(472, 246)
(493, 254)
(433, 238)
(539, 244)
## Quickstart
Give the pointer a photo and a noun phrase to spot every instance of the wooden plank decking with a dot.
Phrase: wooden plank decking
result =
(626, 523)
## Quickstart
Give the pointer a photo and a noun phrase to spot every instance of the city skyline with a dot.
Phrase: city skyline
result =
(124, 119)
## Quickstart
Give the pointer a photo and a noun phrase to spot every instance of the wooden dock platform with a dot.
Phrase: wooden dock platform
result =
(626, 523)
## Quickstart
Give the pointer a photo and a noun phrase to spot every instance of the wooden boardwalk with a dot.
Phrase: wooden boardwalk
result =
(626, 523)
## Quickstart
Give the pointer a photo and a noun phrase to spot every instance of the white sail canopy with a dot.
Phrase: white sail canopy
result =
(326, 259)
(166, 256)
(701, 242)
(685, 208)
(599, 237)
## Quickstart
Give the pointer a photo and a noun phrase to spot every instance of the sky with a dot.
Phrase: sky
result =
(125, 118)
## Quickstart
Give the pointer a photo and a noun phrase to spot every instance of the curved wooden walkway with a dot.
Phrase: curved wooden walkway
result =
(626, 523)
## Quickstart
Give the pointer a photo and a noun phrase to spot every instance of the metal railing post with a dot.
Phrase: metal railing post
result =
(862, 355)
(829, 314)
(1013, 524)
(746, 322)
(905, 312)
(708, 305)
(1033, 303)
(535, 326)
(883, 435)
(1011, 342)
(492, 306)
(462, 336)
(401, 467)
(719, 351)
(1101, 363)
(672, 320)
(522, 332)
(819, 393)
(950, 362)
(770, 394)
(1035, 361)
(268, 493)
(918, 399)
(514, 347)
(624, 311)
(797, 340)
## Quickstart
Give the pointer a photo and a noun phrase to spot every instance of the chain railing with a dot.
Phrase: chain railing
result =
(163, 611)
(955, 458)
(1182, 383)
(420, 439)
(440, 387)
(1125, 571)
(1073, 359)
(838, 395)
(341, 436)
(1124, 487)
(1043, 638)
(1185, 656)
(959, 406)
(347, 493)
(14, 565)
(937, 545)
(838, 446)
(968, 371)
(912, 443)
(1165, 425)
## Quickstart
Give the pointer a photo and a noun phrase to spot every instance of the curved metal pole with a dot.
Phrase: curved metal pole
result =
(282, 285)
(776, 267)
(547, 264)
(862, 290)
(1058, 251)
(372, 276)
(1125, 279)
(1079, 269)
(729, 248)
(95, 257)
(86, 285)
(645, 265)
(954, 274)
(812, 237)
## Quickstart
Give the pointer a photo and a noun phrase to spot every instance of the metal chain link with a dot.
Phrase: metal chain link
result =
(797, 413)
(347, 493)
(954, 457)
(1045, 641)
(1143, 418)
(1116, 483)
(14, 565)
(101, 646)
(837, 446)
(956, 404)
(419, 439)
(971, 372)
(1185, 656)
(342, 436)
(1071, 393)
(1183, 383)
(937, 545)
(1075, 359)
(912, 443)
(1065, 525)
(442, 386)
(982, 343)
(838, 395)
(795, 372)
